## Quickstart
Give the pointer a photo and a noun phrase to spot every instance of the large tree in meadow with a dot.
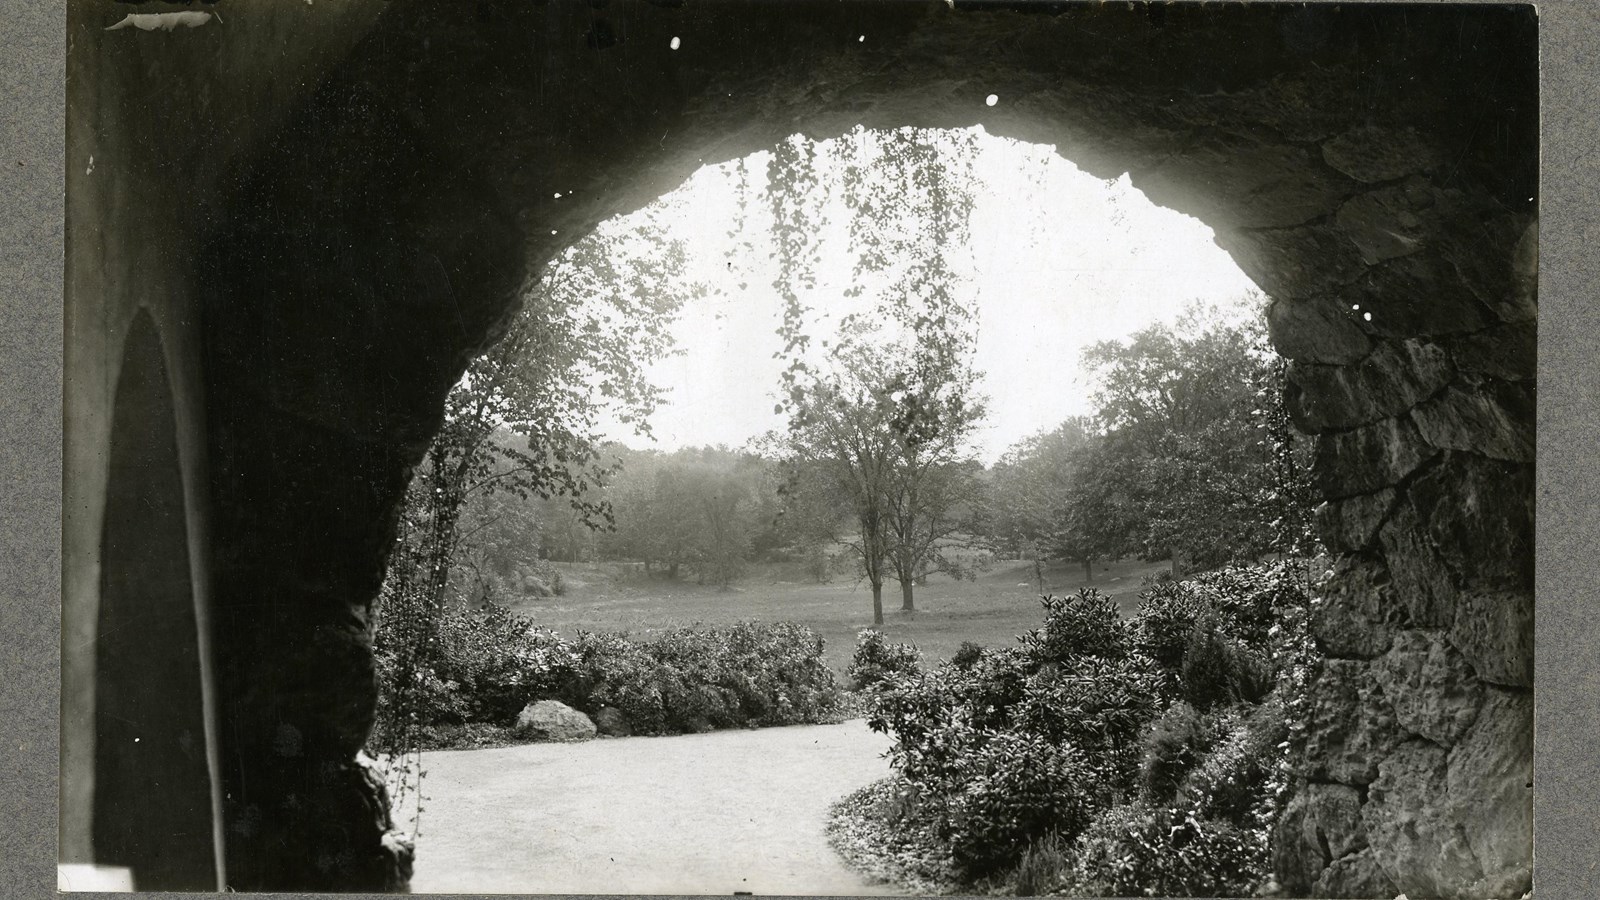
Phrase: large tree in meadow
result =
(891, 414)
(1187, 414)
(1056, 495)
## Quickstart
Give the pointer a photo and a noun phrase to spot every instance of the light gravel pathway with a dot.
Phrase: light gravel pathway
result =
(695, 814)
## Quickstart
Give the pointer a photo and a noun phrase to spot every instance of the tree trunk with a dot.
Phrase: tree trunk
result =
(905, 597)
(1088, 570)
(877, 603)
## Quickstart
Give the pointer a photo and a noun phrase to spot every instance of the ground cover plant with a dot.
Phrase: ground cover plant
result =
(1101, 755)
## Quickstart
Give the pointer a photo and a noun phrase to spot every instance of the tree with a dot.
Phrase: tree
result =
(1186, 443)
(694, 507)
(846, 427)
(524, 421)
(807, 510)
(1060, 494)
(890, 419)
(930, 514)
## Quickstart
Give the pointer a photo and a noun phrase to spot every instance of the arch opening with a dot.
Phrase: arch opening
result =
(1339, 198)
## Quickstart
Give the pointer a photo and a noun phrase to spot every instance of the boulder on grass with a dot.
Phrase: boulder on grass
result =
(612, 722)
(551, 720)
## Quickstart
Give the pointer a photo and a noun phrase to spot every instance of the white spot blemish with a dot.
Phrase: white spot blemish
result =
(136, 740)
(1367, 316)
(675, 43)
(991, 100)
(552, 231)
(164, 21)
(558, 195)
(862, 39)
(90, 170)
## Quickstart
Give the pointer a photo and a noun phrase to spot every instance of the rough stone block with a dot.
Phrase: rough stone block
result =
(1357, 876)
(1391, 221)
(1490, 791)
(1318, 330)
(1371, 153)
(1392, 379)
(1269, 185)
(1430, 686)
(1356, 612)
(1509, 352)
(1351, 726)
(1495, 253)
(1351, 525)
(1494, 632)
(1421, 295)
(1368, 459)
(1422, 581)
(1423, 848)
(1496, 420)
(1278, 260)
(1479, 515)
(1321, 824)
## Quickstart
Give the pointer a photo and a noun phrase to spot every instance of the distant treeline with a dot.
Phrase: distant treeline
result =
(1189, 456)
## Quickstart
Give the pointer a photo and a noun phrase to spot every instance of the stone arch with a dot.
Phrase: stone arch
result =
(1372, 169)
(153, 787)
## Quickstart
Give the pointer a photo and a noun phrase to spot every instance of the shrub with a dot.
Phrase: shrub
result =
(885, 831)
(1218, 671)
(1044, 866)
(1015, 788)
(930, 719)
(614, 671)
(1167, 614)
(496, 662)
(1256, 608)
(759, 674)
(698, 678)
(428, 699)
(1098, 706)
(1140, 850)
(1009, 756)
(1238, 781)
(1245, 598)
(967, 655)
(1173, 746)
(1087, 623)
(876, 661)
(993, 687)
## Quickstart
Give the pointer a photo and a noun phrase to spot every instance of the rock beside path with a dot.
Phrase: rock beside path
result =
(551, 720)
(612, 722)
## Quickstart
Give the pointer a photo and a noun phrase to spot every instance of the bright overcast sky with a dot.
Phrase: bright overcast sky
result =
(1060, 260)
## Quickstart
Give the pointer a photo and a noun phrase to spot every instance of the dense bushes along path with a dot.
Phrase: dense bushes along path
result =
(694, 814)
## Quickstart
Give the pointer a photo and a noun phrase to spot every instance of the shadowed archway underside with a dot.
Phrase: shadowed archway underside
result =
(1354, 160)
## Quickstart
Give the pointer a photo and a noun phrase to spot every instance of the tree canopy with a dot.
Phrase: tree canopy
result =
(1188, 456)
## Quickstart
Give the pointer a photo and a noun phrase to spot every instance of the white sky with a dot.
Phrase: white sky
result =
(1060, 260)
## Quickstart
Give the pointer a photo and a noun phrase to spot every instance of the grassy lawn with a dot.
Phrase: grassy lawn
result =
(991, 611)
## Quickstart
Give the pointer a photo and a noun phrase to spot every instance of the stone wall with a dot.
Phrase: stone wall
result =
(1371, 169)
(158, 124)
(1419, 759)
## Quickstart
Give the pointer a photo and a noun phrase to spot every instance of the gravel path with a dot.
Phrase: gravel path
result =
(697, 814)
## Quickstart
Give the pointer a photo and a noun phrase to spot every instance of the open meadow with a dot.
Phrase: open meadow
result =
(991, 611)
